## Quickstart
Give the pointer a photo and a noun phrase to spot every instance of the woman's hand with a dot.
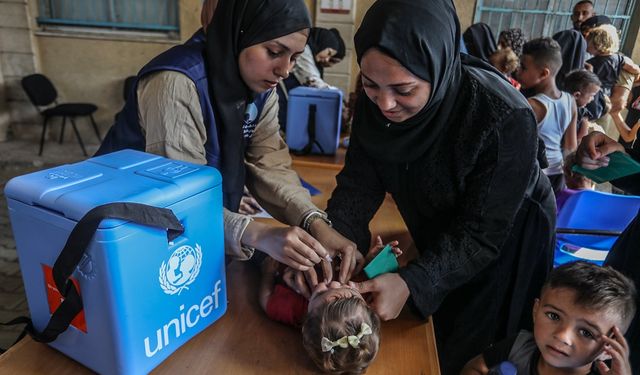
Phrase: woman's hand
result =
(593, 150)
(289, 245)
(618, 349)
(339, 246)
(248, 205)
(377, 248)
(389, 293)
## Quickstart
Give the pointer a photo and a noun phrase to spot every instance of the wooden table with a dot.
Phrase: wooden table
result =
(245, 341)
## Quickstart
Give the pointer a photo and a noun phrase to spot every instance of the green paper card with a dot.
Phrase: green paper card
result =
(620, 165)
(384, 262)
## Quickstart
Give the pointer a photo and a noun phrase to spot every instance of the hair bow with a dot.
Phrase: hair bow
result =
(345, 341)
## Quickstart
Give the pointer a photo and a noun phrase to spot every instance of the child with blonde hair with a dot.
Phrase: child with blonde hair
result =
(507, 62)
(340, 332)
(603, 43)
(609, 65)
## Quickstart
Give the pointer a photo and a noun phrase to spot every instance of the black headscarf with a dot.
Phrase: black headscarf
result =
(574, 49)
(423, 35)
(236, 25)
(480, 41)
(321, 39)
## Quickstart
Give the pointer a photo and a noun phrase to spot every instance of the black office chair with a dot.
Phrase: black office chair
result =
(42, 93)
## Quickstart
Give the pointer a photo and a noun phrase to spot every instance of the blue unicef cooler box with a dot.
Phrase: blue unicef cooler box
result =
(142, 295)
(314, 117)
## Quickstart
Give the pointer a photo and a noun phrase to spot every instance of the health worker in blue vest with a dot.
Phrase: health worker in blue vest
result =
(212, 100)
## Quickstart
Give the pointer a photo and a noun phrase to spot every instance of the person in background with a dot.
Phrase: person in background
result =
(593, 22)
(325, 48)
(507, 62)
(583, 85)
(479, 41)
(574, 54)
(512, 38)
(609, 65)
(582, 11)
(454, 145)
(633, 115)
(212, 101)
(624, 256)
(555, 111)
(579, 322)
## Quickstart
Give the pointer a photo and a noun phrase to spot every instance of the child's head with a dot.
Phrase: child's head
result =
(512, 38)
(603, 41)
(540, 62)
(579, 303)
(583, 85)
(505, 60)
(341, 333)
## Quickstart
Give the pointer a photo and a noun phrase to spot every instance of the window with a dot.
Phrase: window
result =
(148, 15)
(539, 18)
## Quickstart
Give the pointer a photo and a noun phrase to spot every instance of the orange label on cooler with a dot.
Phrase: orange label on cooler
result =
(55, 298)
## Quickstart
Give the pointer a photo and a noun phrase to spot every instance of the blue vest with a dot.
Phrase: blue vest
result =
(188, 59)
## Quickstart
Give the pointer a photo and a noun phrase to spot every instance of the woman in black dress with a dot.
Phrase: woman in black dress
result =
(455, 146)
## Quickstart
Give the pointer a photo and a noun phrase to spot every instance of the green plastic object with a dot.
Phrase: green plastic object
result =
(384, 262)
(620, 165)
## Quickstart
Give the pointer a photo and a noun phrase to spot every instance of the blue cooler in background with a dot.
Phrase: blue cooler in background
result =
(314, 117)
(142, 295)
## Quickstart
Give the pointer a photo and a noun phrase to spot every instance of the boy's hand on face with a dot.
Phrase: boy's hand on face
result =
(618, 349)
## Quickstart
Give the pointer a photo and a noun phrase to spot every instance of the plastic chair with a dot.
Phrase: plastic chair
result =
(42, 93)
(589, 224)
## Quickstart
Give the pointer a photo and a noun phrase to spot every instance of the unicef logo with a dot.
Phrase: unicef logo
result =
(181, 269)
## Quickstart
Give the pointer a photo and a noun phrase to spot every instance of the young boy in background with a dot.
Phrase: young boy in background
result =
(555, 111)
(579, 321)
(583, 85)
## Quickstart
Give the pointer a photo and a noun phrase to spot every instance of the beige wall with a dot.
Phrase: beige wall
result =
(92, 67)
(464, 8)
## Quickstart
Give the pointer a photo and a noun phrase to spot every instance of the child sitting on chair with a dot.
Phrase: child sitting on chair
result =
(340, 332)
(578, 322)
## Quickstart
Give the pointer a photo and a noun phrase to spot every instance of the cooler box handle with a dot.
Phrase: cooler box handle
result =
(76, 244)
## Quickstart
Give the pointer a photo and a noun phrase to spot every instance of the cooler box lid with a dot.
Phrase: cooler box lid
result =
(316, 93)
(122, 176)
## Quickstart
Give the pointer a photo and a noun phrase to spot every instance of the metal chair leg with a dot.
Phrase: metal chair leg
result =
(95, 128)
(75, 130)
(64, 122)
(44, 132)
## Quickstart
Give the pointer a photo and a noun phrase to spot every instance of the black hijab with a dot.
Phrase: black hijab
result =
(480, 41)
(423, 35)
(574, 50)
(236, 25)
(321, 39)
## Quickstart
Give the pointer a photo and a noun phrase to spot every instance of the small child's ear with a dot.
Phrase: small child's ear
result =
(576, 94)
(545, 73)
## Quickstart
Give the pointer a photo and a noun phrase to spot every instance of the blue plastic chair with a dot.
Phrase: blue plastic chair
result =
(589, 224)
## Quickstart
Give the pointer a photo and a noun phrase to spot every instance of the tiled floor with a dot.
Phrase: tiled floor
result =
(18, 158)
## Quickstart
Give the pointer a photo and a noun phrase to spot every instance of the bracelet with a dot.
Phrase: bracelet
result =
(315, 215)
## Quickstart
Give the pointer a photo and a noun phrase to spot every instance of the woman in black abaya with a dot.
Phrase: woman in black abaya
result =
(455, 146)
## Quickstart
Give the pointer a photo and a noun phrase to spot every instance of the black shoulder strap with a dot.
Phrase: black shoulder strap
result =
(311, 131)
(71, 254)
